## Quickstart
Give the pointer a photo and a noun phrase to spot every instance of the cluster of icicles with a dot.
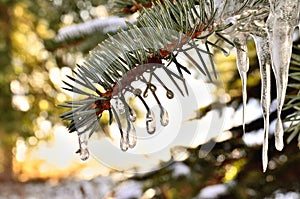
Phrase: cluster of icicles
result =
(274, 48)
(121, 109)
(129, 137)
(273, 41)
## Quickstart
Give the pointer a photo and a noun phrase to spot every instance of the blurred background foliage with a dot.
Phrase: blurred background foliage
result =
(35, 55)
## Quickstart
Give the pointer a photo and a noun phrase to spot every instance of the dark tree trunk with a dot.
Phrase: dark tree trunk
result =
(6, 172)
(8, 116)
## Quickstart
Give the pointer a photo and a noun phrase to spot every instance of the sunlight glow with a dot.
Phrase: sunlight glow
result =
(21, 102)
(54, 158)
(21, 149)
(150, 193)
(44, 104)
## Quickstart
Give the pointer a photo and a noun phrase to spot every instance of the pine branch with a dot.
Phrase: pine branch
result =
(163, 31)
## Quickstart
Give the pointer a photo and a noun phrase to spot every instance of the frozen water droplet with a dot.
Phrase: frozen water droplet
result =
(84, 154)
(83, 146)
(164, 117)
(264, 57)
(124, 141)
(80, 118)
(132, 116)
(120, 106)
(242, 62)
(170, 94)
(150, 122)
(131, 136)
(279, 135)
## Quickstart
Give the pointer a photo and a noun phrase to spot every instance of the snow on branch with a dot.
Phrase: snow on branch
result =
(103, 25)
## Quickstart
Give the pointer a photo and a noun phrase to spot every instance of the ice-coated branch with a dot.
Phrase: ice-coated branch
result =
(165, 28)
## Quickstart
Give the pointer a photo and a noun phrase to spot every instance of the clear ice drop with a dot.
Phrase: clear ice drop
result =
(132, 116)
(264, 58)
(242, 62)
(281, 22)
(164, 117)
(124, 142)
(83, 146)
(150, 122)
(131, 134)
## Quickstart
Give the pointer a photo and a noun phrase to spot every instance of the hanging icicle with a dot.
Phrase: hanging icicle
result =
(281, 22)
(131, 133)
(273, 41)
(242, 62)
(264, 58)
(83, 146)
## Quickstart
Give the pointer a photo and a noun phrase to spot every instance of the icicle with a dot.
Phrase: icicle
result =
(242, 62)
(83, 146)
(131, 134)
(281, 22)
(124, 141)
(164, 117)
(298, 21)
(264, 57)
(150, 122)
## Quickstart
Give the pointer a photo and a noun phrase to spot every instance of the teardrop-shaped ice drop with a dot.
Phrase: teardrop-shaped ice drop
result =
(124, 142)
(83, 146)
(170, 94)
(279, 134)
(84, 154)
(131, 136)
(132, 116)
(150, 122)
(164, 117)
